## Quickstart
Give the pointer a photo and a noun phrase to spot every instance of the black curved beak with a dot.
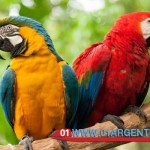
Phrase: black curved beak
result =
(5, 45)
(1, 43)
(148, 42)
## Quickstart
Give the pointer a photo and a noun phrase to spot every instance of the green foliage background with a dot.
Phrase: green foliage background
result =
(72, 29)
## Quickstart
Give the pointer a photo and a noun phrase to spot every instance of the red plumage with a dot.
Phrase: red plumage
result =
(123, 61)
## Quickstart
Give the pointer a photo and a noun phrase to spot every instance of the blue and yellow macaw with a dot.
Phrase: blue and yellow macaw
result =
(39, 90)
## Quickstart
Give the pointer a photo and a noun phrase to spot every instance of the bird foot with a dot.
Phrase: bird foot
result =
(26, 141)
(115, 120)
(63, 144)
(137, 110)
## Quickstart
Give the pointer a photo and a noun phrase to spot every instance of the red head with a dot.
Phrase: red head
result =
(132, 28)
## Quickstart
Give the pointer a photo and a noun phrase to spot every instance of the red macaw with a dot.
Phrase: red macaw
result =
(114, 74)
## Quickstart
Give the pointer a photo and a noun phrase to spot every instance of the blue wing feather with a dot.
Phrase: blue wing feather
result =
(88, 96)
(91, 91)
(90, 69)
(71, 93)
(7, 96)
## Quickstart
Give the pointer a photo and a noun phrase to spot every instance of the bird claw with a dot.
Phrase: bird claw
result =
(137, 110)
(26, 141)
(63, 144)
(115, 120)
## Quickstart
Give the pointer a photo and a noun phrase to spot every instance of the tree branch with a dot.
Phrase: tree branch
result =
(131, 121)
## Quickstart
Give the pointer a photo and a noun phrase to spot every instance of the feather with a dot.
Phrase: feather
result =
(71, 93)
(114, 73)
(90, 69)
(7, 96)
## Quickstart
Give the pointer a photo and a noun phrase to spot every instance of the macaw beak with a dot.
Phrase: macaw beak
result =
(1, 45)
(5, 45)
(148, 42)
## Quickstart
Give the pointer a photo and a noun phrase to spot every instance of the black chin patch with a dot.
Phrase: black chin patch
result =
(18, 49)
(5, 45)
(148, 42)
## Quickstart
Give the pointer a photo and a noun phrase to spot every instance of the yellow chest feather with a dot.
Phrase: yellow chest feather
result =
(40, 103)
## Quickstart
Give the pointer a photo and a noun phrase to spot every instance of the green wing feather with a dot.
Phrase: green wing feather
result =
(71, 93)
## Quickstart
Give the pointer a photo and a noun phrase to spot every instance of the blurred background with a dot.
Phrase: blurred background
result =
(73, 25)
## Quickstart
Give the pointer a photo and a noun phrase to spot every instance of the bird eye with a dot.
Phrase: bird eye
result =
(9, 27)
(148, 20)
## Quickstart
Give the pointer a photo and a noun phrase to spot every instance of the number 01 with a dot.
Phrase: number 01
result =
(64, 132)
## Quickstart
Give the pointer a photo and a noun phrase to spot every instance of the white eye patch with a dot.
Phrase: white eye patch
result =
(11, 32)
(7, 29)
(15, 39)
(145, 28)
